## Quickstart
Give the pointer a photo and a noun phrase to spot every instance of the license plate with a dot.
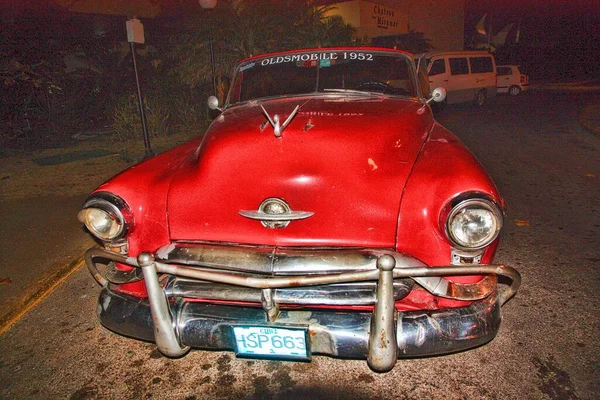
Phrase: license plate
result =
(271, 342)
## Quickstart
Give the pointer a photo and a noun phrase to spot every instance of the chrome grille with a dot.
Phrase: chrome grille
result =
(350, 294)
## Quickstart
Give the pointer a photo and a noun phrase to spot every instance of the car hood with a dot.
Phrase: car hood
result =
(344, 159)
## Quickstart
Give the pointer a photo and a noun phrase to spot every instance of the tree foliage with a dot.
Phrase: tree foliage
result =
(62, 72)
(57, 75)
(241, 29)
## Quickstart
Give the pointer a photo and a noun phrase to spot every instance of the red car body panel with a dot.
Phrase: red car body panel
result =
(431, 189)
(349, 168)
(194, 193)
(144, 187)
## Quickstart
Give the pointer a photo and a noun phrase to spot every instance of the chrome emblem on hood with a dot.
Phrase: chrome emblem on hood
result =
(275, 213)
(275, 123)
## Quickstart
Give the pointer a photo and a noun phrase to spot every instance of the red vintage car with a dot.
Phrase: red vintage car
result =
(324, 211)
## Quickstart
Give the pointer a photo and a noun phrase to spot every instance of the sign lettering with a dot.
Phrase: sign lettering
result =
(314, 59)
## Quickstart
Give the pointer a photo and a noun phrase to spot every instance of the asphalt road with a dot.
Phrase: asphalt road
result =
(38, 238)
(548, 169)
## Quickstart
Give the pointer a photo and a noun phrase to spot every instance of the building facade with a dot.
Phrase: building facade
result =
(442, 21)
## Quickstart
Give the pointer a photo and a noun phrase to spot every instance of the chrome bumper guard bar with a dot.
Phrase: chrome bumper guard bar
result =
(380, 338)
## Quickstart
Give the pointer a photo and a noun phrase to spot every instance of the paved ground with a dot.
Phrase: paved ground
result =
(40, 236)
(41, 241)
(548, 169)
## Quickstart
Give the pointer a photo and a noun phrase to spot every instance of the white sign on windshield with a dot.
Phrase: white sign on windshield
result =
(345, 55)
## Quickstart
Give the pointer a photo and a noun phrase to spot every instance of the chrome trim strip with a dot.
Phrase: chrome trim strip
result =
(283, 217)
(358, 294)
(278, 260)
(237, 258)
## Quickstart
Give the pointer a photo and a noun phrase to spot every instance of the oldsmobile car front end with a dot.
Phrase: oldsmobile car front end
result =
(341, 220)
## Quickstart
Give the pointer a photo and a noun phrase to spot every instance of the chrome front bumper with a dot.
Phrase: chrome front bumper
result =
(381, 336)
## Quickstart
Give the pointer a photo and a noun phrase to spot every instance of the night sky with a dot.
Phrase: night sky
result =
(543, 22)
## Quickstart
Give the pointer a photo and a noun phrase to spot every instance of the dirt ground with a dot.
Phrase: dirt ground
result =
(75, 169)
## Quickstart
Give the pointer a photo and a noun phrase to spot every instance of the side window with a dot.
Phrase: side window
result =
(481, 64)
(504, 71)
(459, 66)
(438, 67)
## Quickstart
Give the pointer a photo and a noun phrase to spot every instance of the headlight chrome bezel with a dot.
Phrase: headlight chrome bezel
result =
(115, 208)
(474, 202)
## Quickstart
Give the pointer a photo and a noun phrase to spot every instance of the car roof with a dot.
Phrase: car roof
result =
(456, 53)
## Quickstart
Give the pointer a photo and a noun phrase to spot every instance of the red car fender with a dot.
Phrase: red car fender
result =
(145, 191)
(444, 170)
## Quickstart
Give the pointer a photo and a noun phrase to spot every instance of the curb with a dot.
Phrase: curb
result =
(592, 85)
(562, 88)
(48, 284)
(589, 118)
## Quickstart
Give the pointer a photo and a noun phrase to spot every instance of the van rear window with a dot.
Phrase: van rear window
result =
(481, 64)
(459, 66)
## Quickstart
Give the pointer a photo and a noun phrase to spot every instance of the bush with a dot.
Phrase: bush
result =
(187, 113)
(127, 123)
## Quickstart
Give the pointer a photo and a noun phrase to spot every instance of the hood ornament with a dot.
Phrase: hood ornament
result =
(275, 213)
(277, 127)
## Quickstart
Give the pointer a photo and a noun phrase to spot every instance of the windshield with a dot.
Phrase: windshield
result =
(324, 71)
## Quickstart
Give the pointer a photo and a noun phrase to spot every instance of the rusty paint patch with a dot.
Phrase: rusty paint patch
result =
(384, 340)
(372, 164)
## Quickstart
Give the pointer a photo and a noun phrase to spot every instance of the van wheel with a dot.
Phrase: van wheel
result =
(480, 98)
(514, 90)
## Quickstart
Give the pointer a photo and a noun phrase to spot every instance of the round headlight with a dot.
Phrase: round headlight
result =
(102, 224)
(474, 224)
(103, 216)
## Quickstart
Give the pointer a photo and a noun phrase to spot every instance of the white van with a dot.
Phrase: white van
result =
(511, 80)
(466, 75)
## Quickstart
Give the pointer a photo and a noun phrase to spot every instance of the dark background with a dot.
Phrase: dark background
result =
(44, 105)
(559, 39)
